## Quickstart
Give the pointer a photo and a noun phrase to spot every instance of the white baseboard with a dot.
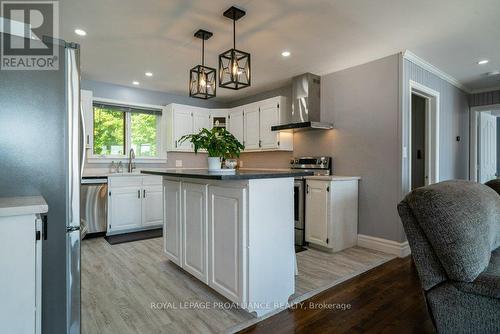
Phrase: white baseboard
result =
(400, 249)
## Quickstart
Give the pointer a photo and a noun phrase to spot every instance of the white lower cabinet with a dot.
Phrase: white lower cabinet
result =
(152, 205)
(226, 239)
(332, 213)
(194, 227)
(317, 212)
(125, 209)
(21, 239)
(172, 220)
(134, 203)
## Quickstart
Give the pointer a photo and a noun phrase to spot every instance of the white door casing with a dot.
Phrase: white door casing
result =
(487, 147)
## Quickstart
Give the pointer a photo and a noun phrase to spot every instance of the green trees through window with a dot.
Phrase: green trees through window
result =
(113, 133)
(143, 136)
(109, 131)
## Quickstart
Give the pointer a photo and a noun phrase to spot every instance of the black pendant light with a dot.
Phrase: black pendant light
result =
(202, 79)
(234, 65)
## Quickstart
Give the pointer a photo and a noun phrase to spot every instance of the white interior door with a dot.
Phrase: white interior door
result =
(487, 147)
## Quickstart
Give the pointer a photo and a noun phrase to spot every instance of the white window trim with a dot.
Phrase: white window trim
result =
(160, 134)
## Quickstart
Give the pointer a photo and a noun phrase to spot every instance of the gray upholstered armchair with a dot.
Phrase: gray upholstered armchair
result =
(453, 229)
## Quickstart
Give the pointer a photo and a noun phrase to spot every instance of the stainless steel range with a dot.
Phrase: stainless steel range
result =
(318, 165)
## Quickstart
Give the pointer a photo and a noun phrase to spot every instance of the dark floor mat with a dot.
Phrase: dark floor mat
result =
(134, 236)
(299, 249)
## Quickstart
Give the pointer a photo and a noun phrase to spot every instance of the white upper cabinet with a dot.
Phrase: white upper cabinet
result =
(236, 124)
(269, 116)
(252, 126)
(201, 120)
(184, 120)
(88, 116)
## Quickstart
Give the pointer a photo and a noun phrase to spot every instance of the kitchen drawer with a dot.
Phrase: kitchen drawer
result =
(125, 181)
(152, 180)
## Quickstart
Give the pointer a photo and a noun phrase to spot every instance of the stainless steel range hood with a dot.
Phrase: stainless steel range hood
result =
(305, 112)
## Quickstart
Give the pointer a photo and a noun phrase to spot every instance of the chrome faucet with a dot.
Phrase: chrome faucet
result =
(131, 157)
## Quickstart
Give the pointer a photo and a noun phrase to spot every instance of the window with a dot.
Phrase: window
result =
(118, 128)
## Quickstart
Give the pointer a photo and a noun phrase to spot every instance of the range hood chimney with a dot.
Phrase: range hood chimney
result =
(305, 112)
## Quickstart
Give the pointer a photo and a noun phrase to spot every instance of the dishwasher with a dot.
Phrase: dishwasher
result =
(94, 206)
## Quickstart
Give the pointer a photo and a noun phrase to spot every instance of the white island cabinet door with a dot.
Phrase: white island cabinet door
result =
(317, 212)
(172, 221)
(125, 208)
(252, 126)
(227, 235)
(194, 227)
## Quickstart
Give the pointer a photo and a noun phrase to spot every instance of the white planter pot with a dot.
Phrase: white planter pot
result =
(214, 163)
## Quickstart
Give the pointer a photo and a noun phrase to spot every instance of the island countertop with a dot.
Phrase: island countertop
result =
(246, 174)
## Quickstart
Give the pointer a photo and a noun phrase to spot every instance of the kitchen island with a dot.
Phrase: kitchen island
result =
(234, 232)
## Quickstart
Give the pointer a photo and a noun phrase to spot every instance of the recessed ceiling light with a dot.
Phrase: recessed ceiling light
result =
(80, 32)
(483, 62)
(148, 74)
(135, 83)
(285, 53)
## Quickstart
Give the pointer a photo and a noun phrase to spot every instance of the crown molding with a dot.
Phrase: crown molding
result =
(434, 70)
(485, 90)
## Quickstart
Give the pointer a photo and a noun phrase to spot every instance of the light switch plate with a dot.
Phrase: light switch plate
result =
(178, 163)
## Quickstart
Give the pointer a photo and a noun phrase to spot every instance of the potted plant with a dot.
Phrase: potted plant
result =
(218, 142)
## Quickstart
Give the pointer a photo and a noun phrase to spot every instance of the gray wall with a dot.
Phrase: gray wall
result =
(362, 103)
(484, 99)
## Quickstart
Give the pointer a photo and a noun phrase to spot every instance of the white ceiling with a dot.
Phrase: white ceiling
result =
(126, 38)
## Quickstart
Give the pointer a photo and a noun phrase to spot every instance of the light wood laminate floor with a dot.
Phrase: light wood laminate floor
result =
(120, 283)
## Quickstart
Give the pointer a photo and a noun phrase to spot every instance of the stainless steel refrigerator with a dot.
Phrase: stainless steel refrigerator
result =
(41, 154)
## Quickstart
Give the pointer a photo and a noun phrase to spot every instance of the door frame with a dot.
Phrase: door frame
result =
(474, 122)
(432, 98)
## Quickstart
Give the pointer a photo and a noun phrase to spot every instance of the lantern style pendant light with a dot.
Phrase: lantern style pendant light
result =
(202, 79)
(234, 65)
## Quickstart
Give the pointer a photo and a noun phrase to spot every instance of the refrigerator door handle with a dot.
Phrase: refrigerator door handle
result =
(84, 138)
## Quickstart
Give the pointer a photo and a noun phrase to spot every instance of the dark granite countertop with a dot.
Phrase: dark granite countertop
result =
(237, 175)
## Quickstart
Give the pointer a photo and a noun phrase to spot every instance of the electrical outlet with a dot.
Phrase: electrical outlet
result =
(241, 163)
(178, 163)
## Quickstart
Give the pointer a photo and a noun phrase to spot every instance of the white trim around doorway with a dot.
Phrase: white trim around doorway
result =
(432, 131)
(474, 115)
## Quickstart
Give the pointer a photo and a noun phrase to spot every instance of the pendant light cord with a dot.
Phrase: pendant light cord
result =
(203, 51)
(234, 32)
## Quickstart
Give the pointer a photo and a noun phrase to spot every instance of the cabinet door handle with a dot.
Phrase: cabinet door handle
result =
(139, 193)
(144, 193)
(176, 144)
(307, 189)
